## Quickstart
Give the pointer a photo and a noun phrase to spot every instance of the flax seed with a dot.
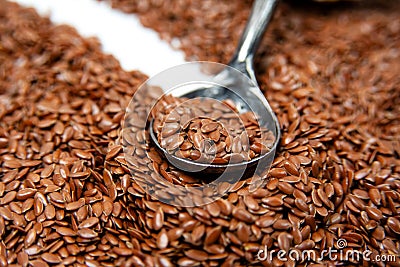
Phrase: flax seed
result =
(61, 122)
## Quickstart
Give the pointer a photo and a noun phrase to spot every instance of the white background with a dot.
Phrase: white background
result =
(120, 34)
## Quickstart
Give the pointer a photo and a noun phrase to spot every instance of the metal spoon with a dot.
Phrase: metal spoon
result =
(246, 94)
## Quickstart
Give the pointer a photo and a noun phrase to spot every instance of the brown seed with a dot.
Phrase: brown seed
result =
(290, 179)
(82, 213)
(30, 238)
(186, 262)
(243, 232)
(158, 220)
(47, 171)
(38, 206)
(198, 233)
(301, 204)
(197, 255)
(25, 193)
(315, 198)
(394, 224)
(89, 222)
(360, 194)
(243, 215)
(174, 234)
(162, 239)
(87, 233)
(214, 249)
(27, 205)
(10, 196)
(351, 206)
(23, 258)
(50, 211)
(6, 213)
(234, 158)
(324, 198)
(107, 207)
(379, 233)
(173, 117)
(322, 211)
(83, 154)
(186, 145)
(374, 213)
(209, 127)
(97, 209)
(51, 258)
(215, 136)
(226, 206)
(195, 154)
(282, 224)
(284, 241)
(38, 263)
(57, 197)
(375, 196)
(306, 244)
(197, 140)
(273, 201)
(228, 142)
(257, 147)
(64, 231)
(251, 203)
(172, 142)
(212, 235)
(123, 251)
(265, 221)
(286, 188)
(297, 236)
(75, 205)
(113, 152)
(220, 146)
(389, 245)
(214, 209)
(169, 129)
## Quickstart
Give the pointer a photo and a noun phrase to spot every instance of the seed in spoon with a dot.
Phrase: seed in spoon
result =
(232, 137)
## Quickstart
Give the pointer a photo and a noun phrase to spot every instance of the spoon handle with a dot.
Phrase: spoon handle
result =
(260, 16)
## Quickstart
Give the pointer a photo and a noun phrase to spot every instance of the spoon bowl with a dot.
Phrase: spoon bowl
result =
(219, 88)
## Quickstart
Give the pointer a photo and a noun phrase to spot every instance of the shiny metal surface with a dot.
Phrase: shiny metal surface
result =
(244, 92)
